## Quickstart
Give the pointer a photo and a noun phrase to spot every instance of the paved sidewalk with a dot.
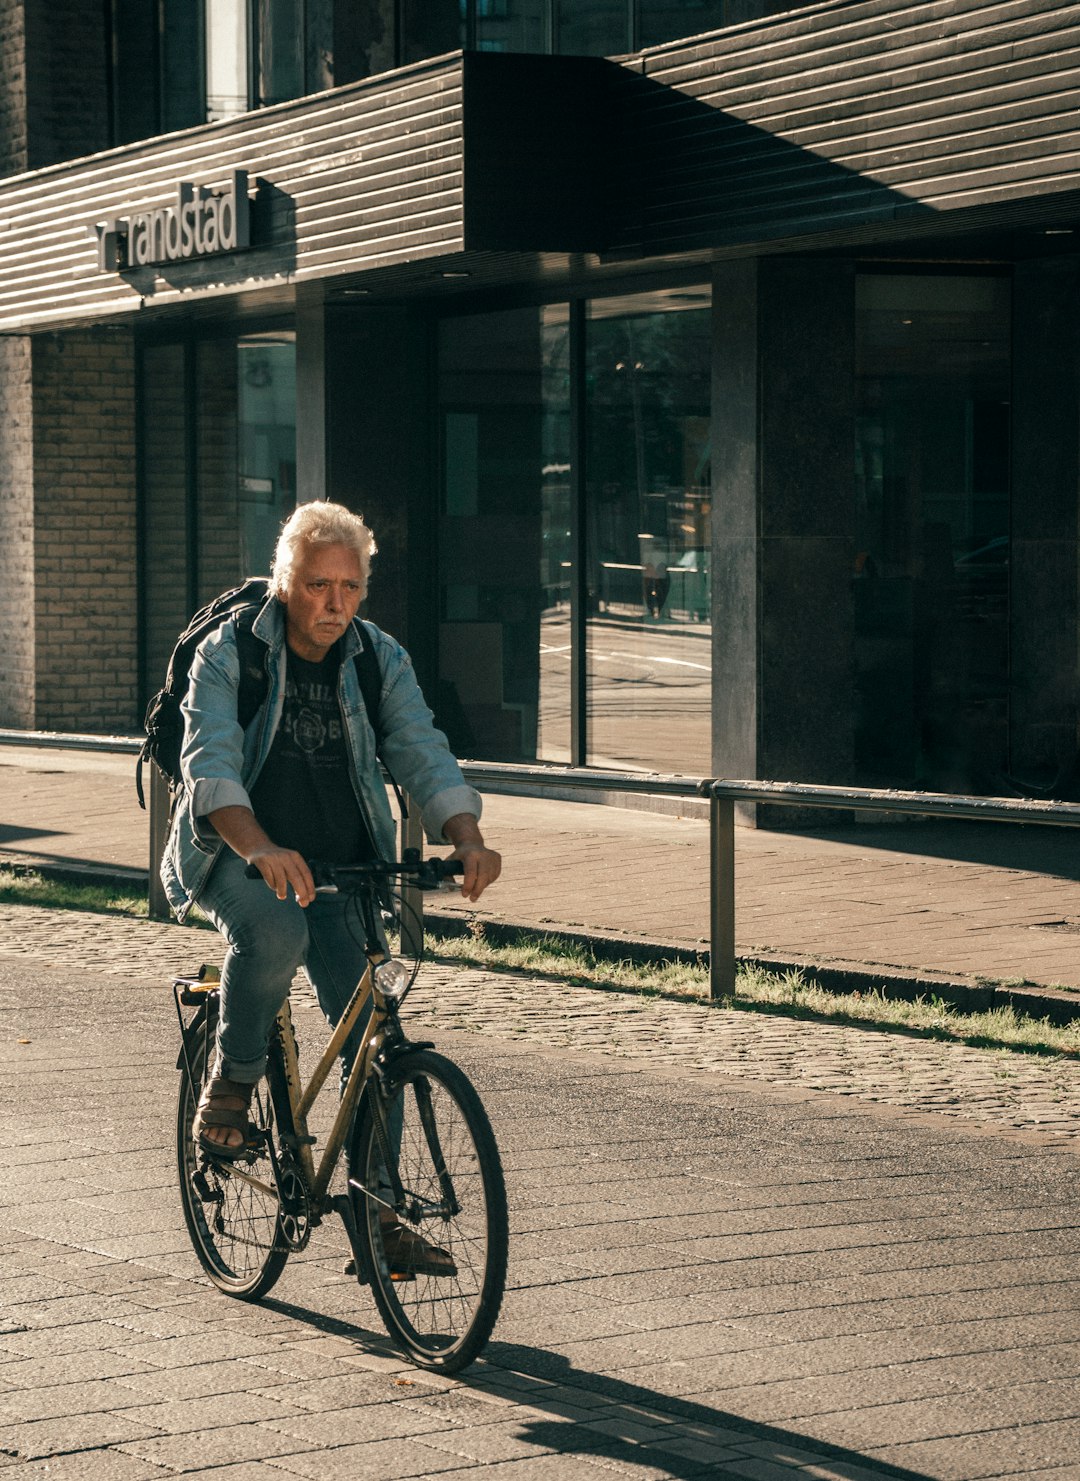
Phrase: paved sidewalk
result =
(969, 903)
(741, 1246)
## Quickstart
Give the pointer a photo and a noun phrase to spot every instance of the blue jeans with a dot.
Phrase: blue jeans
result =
(268, 939)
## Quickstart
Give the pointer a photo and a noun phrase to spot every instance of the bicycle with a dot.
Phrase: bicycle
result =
(425, 1183)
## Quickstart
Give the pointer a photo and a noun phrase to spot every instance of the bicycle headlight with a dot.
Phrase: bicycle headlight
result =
(392, 978)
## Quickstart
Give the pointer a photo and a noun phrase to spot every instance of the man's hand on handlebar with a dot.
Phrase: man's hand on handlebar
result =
(282, 867)
(482, 865)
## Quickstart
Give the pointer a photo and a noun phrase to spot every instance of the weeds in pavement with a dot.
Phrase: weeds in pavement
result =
(756, 990)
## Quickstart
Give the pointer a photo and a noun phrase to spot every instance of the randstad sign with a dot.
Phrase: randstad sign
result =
(201, 222)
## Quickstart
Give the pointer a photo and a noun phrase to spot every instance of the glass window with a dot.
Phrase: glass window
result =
(601, 29)
(648, 504)
(278, 50)
(218, 474)
(431, 27)
(512, 25)
(227, 50)
(504, 535)
(182, 103)
(668, 20)
(266, 445)
(364, 40)
(931, 577)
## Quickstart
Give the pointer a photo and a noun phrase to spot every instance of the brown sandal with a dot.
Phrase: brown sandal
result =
(225, 1103)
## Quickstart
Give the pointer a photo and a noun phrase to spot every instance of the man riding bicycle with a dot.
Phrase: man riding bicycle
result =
(302, 780)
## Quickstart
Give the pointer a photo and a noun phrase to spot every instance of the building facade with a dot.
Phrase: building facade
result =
(713, 397)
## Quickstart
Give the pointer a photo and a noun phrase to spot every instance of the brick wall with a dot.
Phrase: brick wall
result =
(12, 88)
(16, 533)
(85, 544)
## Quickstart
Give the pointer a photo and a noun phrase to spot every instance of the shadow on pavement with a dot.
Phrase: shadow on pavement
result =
(10, 832)
(619, 1430)
(1040, 848)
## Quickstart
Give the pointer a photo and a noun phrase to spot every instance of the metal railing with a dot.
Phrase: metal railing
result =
(723, 795)
(595, 784)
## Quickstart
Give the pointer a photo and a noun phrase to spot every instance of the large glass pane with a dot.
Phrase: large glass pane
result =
(512, 25)
(667, 20)
(649, 532)
(599, 29)
(932, 566)
(364, 40)
(431, 27)
(182, 103)
(135, 71)
(226, 23)
(212, 521)
(504, 535)
(279, 55)
(265, 478)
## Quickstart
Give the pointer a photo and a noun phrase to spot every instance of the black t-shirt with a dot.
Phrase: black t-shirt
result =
(303, 796)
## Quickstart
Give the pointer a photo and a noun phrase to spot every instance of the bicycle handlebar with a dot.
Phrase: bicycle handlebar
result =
(425, 874)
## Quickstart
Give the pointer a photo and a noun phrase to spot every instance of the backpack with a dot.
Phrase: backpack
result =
(164, 724)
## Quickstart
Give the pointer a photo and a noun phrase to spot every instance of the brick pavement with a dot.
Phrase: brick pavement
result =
(993, 1086)
(717, 1267)
(967, 903)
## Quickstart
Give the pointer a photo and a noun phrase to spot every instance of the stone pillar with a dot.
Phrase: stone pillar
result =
(1044, 611)
(17, 532)
(783, 509)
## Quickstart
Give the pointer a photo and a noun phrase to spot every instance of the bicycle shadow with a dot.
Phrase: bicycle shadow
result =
(616, 1421)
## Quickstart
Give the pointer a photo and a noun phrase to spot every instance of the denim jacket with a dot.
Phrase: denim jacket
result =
(220, 762)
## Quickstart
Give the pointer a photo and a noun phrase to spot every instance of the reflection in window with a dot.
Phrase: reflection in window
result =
(266, 445)
(218, 473)
(601, 29)
(930, 581)
(226, 24)
(649, 532)
(504, 536)
(431, 27)
(278, 50)
(512, 25)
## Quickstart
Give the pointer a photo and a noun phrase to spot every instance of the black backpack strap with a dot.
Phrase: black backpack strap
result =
(251, 655)
(369, 675)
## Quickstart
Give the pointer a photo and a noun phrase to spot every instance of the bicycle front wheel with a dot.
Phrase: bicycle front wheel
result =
(436, 1251)
(231, 1208)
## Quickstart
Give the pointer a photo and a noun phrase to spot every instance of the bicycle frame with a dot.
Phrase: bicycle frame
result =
(301, 1098)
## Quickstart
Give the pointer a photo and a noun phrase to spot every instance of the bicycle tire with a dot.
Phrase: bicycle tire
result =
(439, 1321)
(235, 1231)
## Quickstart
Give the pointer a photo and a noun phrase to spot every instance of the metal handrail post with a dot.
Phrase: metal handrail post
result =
(412, 897)
(721, 897)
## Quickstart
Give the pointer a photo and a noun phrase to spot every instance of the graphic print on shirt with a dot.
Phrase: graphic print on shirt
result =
(304, 797)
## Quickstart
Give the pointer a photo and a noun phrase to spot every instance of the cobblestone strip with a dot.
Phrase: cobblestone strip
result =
(995, 1087)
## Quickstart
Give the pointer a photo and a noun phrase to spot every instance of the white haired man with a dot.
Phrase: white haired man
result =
(301, 781)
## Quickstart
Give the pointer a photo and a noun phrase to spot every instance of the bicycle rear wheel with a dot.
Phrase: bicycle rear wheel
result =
(454, 1199)
(231, 1209)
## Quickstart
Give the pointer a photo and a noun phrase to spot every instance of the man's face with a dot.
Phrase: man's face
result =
(323, 598)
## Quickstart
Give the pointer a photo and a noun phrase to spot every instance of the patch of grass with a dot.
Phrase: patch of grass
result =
(29, 888)
(756, 990)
